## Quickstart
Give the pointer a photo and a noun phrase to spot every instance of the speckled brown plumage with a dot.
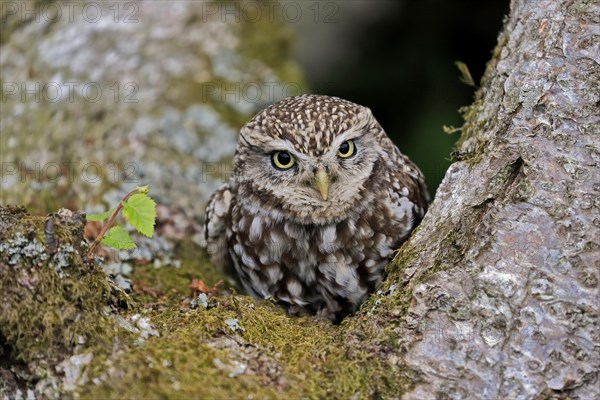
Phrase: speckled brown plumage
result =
(314, 252)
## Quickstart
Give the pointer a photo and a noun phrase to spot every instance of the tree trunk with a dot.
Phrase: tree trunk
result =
(502, 274)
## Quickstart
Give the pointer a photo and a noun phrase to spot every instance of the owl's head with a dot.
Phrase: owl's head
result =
(311, 158)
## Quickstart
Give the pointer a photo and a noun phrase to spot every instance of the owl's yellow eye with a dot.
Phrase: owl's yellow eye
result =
(283, 160)
(347, 149)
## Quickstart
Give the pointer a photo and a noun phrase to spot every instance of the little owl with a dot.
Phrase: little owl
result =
(318, 201)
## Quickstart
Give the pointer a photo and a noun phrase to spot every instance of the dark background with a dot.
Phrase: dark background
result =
(397, 58)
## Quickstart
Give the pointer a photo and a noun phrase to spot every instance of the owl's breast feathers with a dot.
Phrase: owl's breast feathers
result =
(314, 268)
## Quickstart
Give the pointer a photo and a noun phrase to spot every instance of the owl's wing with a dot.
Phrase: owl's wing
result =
(418, 194)
(408, 192)
(215, 228)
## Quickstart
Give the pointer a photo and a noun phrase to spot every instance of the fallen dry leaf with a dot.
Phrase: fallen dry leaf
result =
(198, 286)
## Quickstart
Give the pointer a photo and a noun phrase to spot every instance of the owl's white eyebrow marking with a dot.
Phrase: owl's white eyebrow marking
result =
(351, 133)
(282, 145)
(276, 145)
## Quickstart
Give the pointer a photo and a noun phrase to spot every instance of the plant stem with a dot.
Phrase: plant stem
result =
(109, 222)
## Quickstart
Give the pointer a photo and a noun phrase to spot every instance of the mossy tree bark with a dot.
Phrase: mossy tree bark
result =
(501, 278)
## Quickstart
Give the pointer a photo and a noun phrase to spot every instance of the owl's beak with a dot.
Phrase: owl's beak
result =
(322, 182)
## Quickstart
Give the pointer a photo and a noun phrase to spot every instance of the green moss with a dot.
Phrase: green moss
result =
(472, 114)
(289, 357)
(179, 363)
(402, 260)
(51, 298)
(469, 130)
(453, 254)
(171, 283)
(293, 357)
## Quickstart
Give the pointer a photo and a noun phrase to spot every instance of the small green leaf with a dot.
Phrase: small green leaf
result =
(140, 211)
(118, 238)
(100, 217)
